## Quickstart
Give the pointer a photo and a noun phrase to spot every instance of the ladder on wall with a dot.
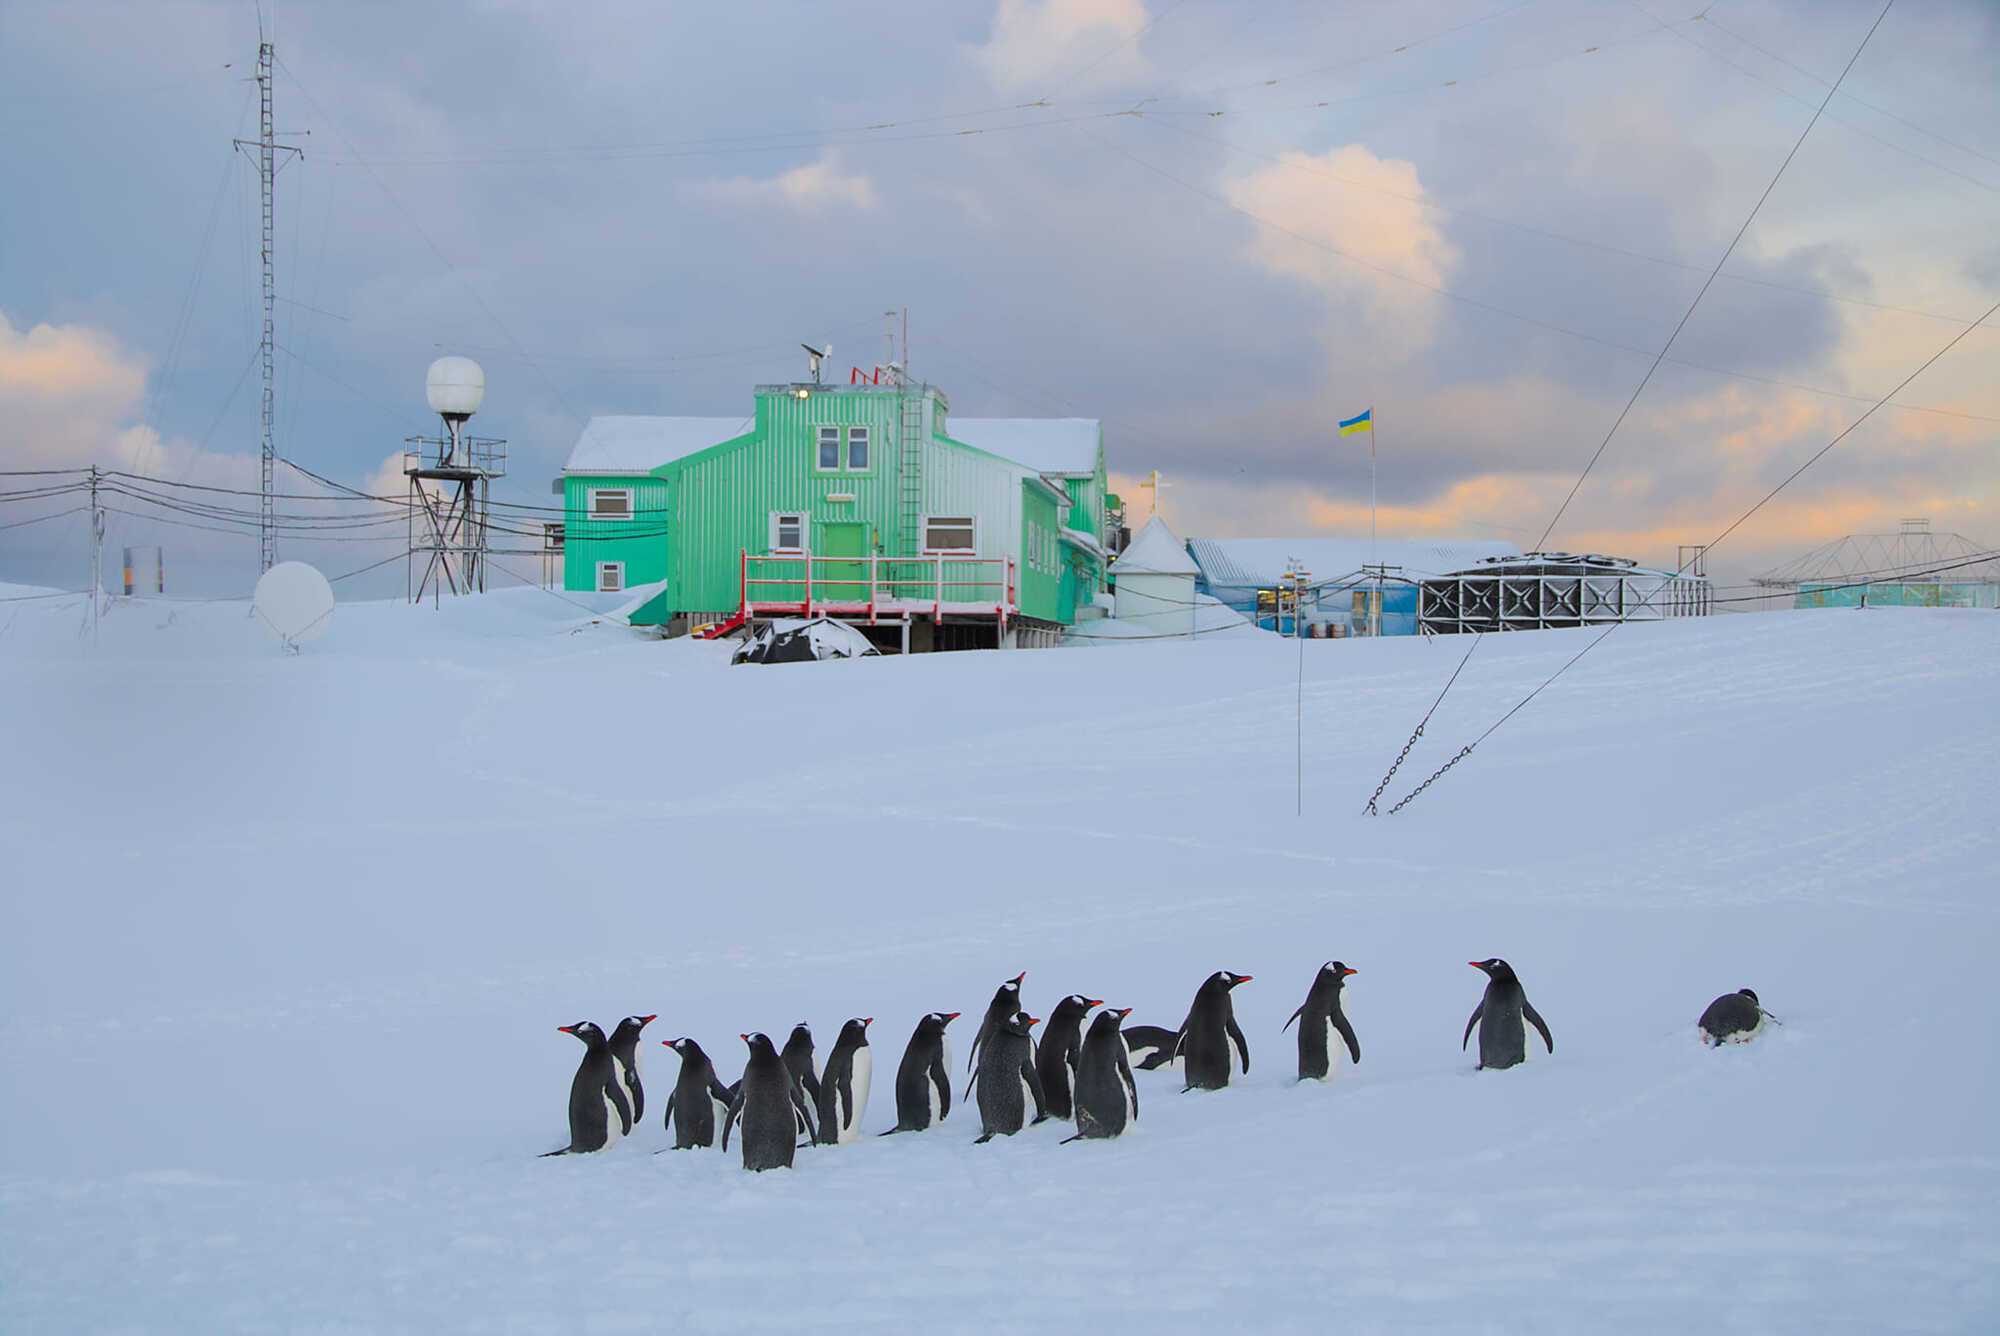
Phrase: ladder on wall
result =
(910, 467)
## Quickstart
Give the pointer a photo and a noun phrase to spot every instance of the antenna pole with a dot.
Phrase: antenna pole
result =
(888, 337)
(268, 149)
(906, 343)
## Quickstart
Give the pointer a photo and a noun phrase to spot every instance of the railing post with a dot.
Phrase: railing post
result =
(743, 578)
(808, 558)
(937, 590)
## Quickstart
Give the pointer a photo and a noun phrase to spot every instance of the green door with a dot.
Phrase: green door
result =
(845, 572)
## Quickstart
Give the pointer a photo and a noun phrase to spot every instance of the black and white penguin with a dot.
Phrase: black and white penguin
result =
(1107, 1099)
(1062, 1045)
(1210, 1031)
(799, 1060)
(1503, 1039)
(1006, 1083)
(625, 1053)
(1733, 1018)
(923, 1079)
(1326, 1040)
(598, 1113)
(771, 1105)
(1151, 1046)
(700, 1102)
(843, 1085)
(1006, 1001)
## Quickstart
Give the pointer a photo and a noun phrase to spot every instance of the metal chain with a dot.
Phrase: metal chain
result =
(1476, 638)
(1393, 768)
(1463, 752)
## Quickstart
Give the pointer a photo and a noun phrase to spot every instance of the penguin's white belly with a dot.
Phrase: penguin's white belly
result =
(932, 1096)
(1336, 1051)
(1027, 1102)
(1131, 1102)
(859, 1075)
(614, 1126)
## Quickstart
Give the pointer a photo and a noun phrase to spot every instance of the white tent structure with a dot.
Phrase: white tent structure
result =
(1154, 580)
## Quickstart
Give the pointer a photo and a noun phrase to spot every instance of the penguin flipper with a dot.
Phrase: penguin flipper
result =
(1066, 1140)
(735, 1112)
(941, 1082)
(1034, 1080)
(1347, 1033)
(807, 1122)
(1131, 1086)
(1477, 1012)
(1295, 1015)
(1242, 1044)
(614, 1092)
(667, 1123)
(1535, 1019)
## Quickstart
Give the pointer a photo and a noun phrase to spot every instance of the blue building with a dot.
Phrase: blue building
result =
(1249, 575)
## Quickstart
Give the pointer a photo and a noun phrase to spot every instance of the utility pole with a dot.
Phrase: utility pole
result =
(267, 170)
(96, 554)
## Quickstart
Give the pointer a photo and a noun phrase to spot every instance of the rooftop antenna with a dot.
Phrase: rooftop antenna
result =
(816, 357)
(268, 150)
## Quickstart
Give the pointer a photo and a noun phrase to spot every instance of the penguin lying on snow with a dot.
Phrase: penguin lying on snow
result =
(1006, 1001)
(1150, 1046)
(1733, 1018)
(598, 1113)
(1209, 1031)
(700, 1101)
(923, 1080)
(1503, 1039)
(625, 1055)
(771, 1105)
(1061, 1047)
(798, 1057)
(1006, 1080)
(1107, 1100)
(843, 1086)
(1325, 1037)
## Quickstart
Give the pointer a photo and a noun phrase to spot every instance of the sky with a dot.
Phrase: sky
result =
(1217, 227)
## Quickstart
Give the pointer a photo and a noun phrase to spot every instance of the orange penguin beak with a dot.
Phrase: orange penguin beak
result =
(1018, 977)
(951, 1015)
(744, 1037)
(867, 1021)
(1344, 973)
(1093, 1002)
(1034, 1020)
(565, 1029)
(648, 1020)
(1475, 964)
(1121, 1012)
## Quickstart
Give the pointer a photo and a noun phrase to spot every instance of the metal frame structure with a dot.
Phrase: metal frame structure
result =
(1548, 590)
(455, 516)
(1912, 556)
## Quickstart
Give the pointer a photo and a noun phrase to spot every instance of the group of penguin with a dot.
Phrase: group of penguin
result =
(1077, 1075)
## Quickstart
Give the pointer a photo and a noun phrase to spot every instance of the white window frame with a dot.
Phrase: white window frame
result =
(805, 530)
(617, 571)
(971, 522)
(821, 437)
(631, 495)
(867, 440)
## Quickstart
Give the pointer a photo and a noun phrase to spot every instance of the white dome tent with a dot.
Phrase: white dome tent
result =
(1155, 582)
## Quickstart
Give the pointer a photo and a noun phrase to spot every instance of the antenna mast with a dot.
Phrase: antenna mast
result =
(267, 170)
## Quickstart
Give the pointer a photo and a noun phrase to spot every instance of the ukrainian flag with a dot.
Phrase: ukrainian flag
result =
(1366, 422)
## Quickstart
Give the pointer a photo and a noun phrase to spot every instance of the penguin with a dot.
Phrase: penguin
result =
(771, 1104)
(598, 1113)
(1503, 1040)
(1061, 1046)
(700, 1101)
(799, 1059)
(1208, 1033)
(923, 1079)
(1007, 1082)
(843, 1086)
(1733, 1018)
(625, 1053)
(1325, 1037)
(1006, 1001)
(1151, 1046)
(1107, 1099)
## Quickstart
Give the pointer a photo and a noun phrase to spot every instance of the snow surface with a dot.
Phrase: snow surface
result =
(289, 936)
(1155, 551)
(637, 444)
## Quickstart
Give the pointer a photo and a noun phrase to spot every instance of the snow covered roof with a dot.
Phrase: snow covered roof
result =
(1046, 445)
(641, 444)
(1155, 552)
(1259, 563)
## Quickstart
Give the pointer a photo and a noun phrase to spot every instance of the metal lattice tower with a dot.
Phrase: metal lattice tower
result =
(1914, 552)
(267, 170)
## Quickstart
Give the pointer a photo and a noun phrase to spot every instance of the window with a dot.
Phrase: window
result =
(788, 532)
(857, 448)
(948, 533)
(610, 576)
(611, 503)
(829, 447)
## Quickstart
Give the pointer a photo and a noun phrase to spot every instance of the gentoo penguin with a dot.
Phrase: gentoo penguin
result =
(1150, 1046)
(1061, 1046)
(1503, 1040)
(1006, 1001)
(1209, 1032)
(1007, 1083)
(923, 1080)
(843, 1086)
(1325, 1037)
(1107, 1099)
(799, 1060)
(700, 1101)
(625, 1053)
(598, 1113)
(771, 1104)
(1733, 1018)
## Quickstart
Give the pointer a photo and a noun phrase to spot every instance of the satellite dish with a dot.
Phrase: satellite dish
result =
(295, 601)
(455, 387)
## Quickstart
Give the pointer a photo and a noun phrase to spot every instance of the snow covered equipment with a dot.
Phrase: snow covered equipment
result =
(804, 640)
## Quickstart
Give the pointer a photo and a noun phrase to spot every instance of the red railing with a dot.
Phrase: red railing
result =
(936, 584)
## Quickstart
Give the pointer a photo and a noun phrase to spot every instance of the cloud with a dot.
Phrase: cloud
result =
(812, 188)
(1049, 46)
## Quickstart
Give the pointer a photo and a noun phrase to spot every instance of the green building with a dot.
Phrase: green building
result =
(867, 503)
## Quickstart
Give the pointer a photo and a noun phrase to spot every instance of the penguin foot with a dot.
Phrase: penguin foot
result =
(983, 1139)
(545, 1154)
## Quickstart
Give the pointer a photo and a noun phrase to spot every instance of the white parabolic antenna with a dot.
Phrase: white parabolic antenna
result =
(295, 601)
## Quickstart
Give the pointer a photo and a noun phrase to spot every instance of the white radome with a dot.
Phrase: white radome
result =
(455, 386)
(295, 601)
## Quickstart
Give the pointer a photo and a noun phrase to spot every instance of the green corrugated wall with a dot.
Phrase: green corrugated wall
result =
(638, 542)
